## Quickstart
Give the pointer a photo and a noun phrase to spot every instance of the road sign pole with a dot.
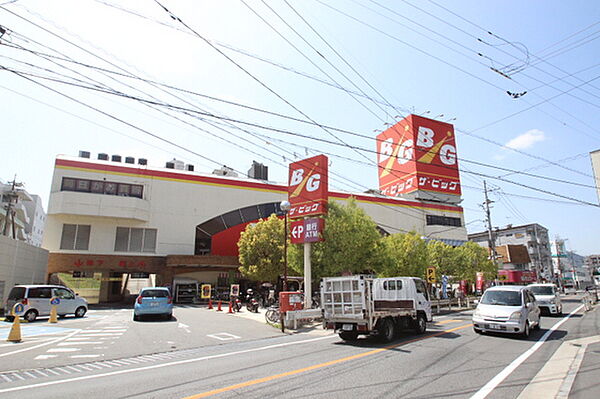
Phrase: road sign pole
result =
(307, 276)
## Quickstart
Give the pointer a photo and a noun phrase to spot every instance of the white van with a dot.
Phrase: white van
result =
(547, 297)
(36, 301)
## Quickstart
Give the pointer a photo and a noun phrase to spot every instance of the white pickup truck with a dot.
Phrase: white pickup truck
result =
(356, 305)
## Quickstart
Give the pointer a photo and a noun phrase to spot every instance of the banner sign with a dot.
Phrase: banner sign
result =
(205, 291)
(308, 188)
(418, 154)
(307, 230)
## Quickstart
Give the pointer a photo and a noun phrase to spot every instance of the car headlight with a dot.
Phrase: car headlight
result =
(552, 301)
(515, 316)
(477, 313)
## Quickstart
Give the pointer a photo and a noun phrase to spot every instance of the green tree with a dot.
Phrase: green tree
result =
(405, 254)
(261, 250)
(471, 258)
(352, 244)
(442, 257)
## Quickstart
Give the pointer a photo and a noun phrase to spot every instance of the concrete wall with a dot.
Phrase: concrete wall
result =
(21, 263)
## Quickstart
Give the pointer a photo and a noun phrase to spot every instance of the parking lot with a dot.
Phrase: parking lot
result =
(105, 334)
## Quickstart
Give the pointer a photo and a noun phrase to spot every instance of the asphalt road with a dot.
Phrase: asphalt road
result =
(450, 360)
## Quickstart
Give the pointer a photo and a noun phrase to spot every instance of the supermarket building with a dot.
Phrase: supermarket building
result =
(128, 220)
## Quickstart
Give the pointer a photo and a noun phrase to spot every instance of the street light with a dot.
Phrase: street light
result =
(285, 207)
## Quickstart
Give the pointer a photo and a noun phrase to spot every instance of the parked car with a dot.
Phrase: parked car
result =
(547, 297)
(569, 289)
(153, 301)
(507, 309)
(36, 301)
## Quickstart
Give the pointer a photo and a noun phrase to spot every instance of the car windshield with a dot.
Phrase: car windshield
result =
(503, 298)
(542, 290)
(154, 293)
(17, 293)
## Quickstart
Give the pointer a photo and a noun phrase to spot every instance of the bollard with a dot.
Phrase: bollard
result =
(210, 306)
(219, 307)
(230, 307)
(15, 331)
(53, 315)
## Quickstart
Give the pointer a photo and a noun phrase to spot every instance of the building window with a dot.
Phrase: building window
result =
(75, 236)
(102, 187)
(435, 220)
(130, 239)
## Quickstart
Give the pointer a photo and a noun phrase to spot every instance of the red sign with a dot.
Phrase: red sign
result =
(479, 282)
(517, 276)
(307, 230)
(308, 189)
(418, 154)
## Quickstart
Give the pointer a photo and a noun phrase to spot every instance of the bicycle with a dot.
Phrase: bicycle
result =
(272, 315)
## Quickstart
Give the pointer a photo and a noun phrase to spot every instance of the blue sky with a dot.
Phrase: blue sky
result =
(439, 59)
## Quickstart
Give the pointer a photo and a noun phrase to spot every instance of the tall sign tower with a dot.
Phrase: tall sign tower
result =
(417, 159)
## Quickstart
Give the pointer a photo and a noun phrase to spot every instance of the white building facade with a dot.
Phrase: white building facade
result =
(119, 217)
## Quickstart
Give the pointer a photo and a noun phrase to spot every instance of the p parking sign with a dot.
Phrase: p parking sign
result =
(431, 275)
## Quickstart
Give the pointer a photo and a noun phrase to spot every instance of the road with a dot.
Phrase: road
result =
(450, 360)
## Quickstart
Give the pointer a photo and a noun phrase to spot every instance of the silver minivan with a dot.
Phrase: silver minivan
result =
(36, 301)
(507, 309)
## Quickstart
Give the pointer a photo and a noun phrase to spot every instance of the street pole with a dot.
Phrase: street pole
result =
(491, 240)
(285, 208)
(307, 277)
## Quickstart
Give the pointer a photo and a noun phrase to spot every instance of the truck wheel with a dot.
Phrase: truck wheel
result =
(387, 331)
(348, 335)
(420, 324)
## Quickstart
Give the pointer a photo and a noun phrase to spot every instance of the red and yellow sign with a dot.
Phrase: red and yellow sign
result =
(308, 188)
(418, 154)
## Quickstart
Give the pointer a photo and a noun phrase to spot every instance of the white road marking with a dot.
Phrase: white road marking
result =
(158, 366)
(494, 382)
(101, 335)
(40, 345)
(44, 357)
(223, 336)
(83, 356)
(184, 326)
(63, 349)
(79, 343)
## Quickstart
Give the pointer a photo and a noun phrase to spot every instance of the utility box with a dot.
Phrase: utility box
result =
(291, 300)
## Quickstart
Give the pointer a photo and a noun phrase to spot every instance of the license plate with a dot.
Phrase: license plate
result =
(153, 303)
(348, 327)
(494, 327)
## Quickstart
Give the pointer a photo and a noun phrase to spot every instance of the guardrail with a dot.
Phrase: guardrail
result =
(453, 304)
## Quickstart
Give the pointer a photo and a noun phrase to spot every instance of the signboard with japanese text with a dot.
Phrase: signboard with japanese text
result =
(418, 154)
(307, 230)
(308, 188)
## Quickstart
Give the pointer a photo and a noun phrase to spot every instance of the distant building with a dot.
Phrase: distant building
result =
(533, 237)
(570, 266)
(593, 262)
(22, 219)
(22, 216)
(514, 257)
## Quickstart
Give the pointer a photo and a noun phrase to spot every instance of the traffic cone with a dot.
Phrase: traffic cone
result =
(230, 308)
(15, 331)
(219, 307)
(53, 315)
(210, 306)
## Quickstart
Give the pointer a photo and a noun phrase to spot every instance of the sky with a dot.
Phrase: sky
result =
(520, 82)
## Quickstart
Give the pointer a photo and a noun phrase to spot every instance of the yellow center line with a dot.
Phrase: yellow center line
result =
(318, 366)
(446, 321)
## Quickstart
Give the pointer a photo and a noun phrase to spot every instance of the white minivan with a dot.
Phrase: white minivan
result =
(548, 298)
(36, 301)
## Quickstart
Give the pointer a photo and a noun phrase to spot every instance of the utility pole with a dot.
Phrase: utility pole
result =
(491, 238)
(12, 195)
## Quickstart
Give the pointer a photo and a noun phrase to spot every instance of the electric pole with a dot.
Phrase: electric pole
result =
(12, 196)
(491, 238)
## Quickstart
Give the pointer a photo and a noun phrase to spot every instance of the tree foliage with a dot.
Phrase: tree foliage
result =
(261, 250)
(471, 258)
(404, 255)
(351, 244)
(442, 256)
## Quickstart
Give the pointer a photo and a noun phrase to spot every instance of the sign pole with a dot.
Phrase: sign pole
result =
(307, 277)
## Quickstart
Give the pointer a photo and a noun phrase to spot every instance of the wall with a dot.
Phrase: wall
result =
(21, 263)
